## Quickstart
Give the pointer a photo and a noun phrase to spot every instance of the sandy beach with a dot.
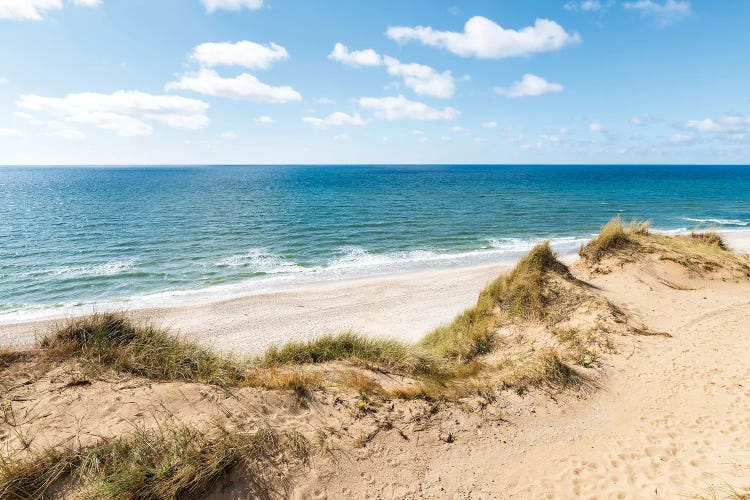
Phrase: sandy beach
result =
(404, 306)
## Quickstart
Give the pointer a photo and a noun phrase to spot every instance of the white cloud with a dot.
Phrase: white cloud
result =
(244, 53)
(127, 113)
(584, 5)
(423, 139)
(550, 138)
(399, 108)
(446, 138)
(596, 128)
(679, 138)
(264, 119)
(340, 137)
(531, 147)
(34, 10)
(3, 81)
(489, 125)
(367, 57)
(485, 39)
(244, 86)
(386, 139)
(11, 132)
(478, 140)
(422, 79)
(68, 133)
(324, 100)
(229, 134)
(529, 85)
(726, 124)
(214, 5)
(666, 13)
(643, 120)
(336, 119)
(460, 130)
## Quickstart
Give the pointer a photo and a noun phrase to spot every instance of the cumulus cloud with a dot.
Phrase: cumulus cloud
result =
(666, 13)
(127, 113)
(244, 86)
(596, 128)
(340, 137)
(264, 119)
(489, 125)
(725, 124)
(643, 120)
(584, 5)
(336, 119)
(34, 10)
(234, 5)
(529, 85)
(400, 108)
(244, 53)
(422, 79)
(485, 39)
(367, 57)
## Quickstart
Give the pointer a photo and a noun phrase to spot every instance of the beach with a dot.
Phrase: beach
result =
(404, 306)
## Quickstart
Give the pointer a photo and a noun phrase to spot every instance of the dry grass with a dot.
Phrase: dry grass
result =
(614, 235)
(168, 462)
(112, 340)
(519, 294)
(387, 354)
(546, 369)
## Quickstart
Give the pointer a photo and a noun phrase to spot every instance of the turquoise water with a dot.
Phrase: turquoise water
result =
(147, 236)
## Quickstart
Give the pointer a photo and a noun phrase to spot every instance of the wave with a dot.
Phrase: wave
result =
(111, 268)
(259, 260)
(721, 222)
(278, 273)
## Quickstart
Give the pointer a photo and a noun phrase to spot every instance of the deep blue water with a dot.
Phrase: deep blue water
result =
(83, 235)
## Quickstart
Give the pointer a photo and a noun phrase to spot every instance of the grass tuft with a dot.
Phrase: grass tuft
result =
(613, 235)
(113, 340)
(519, 294)
(385, 353)
(167, 462)
(547, 370)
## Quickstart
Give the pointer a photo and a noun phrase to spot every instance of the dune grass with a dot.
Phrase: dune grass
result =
(519, 294)
(546, 369)
(172, 461)
(612, 236)
(385, 353)
(112, 340)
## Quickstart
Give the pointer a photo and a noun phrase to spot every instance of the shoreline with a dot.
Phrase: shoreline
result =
(403, 305)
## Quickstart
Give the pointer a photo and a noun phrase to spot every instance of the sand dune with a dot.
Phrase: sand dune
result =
(662, 412)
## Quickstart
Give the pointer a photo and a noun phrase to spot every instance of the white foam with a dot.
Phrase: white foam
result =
(280, 273)
(111, 268)
(722, 222)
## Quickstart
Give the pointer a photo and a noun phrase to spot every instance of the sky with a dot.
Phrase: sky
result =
(97, 82)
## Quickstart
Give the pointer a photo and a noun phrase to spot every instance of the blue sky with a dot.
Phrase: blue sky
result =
(424, 81)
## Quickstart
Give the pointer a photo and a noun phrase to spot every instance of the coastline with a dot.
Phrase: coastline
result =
(403, 305)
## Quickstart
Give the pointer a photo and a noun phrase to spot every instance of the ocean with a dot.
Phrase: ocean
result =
(144, 236)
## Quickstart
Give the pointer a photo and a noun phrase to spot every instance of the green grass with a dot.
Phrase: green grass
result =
(167, 462)
(519, 294)
(546, 369)
(112, 340)
(386, 353)
(613, 235)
